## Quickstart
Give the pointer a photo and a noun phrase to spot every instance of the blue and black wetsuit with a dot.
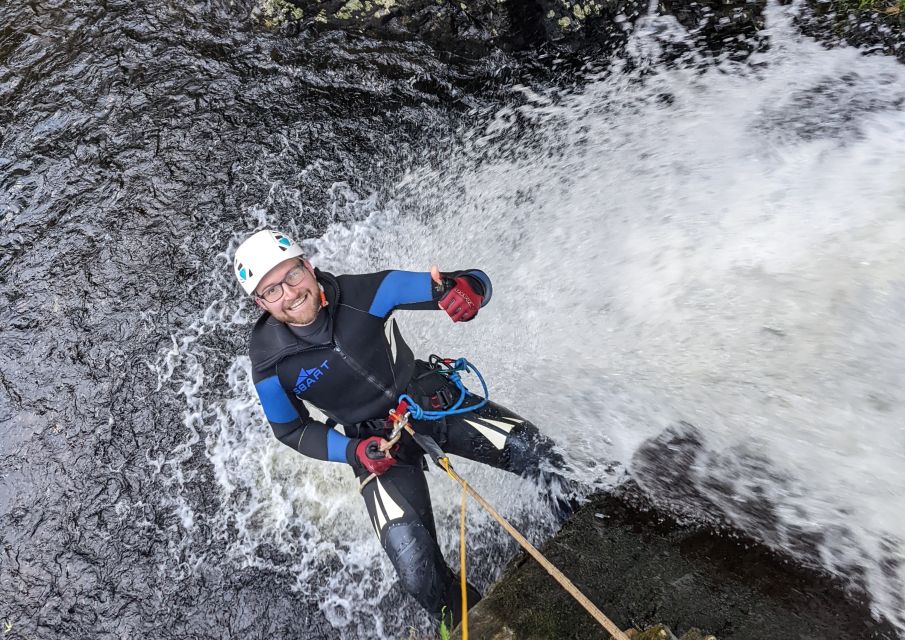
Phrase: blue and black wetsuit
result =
(347, 370)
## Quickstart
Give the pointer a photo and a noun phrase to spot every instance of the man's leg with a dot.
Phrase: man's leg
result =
(399, 506)
(492, 434)
(497, 436)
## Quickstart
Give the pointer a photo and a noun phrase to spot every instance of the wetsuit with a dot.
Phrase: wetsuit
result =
(347, 370)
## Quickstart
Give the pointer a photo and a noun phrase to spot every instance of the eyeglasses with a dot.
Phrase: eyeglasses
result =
(275, 291)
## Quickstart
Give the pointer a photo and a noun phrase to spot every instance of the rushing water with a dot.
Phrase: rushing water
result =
(698, 283)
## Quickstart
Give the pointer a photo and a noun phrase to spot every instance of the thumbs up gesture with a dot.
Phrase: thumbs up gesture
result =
(461, 302)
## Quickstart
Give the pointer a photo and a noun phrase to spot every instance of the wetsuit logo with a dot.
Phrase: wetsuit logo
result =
(307, 377)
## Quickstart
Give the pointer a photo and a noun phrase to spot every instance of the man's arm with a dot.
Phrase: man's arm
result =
(419, 290)
(298, 430)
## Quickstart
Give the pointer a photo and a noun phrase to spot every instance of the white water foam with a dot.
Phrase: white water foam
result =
(722, 245)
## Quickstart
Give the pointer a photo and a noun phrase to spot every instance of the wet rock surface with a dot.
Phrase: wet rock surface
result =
(662, 632)
(479, 27)
(472, 28)
(642, 568)
(877, 26)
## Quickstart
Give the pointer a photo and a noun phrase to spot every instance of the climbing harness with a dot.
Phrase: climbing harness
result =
(408, 408)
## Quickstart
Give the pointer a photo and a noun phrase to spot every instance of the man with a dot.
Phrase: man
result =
(327, 347)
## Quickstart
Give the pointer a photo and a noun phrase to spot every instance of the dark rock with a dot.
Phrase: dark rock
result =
(475, 28)
(719, 26)
(470, 28)
(662, 632)
(877, 26)
(642, 567)
(656, 632)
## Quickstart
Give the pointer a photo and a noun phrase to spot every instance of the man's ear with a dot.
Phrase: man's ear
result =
(260, 303)
(308, 265)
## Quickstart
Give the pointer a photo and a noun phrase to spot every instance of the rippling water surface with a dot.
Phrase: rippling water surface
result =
(700, 264)
(137, 139)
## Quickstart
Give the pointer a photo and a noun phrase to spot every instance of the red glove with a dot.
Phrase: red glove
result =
(462, 301)
(370, 456)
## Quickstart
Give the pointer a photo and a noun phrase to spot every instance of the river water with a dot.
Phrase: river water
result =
(698, 284)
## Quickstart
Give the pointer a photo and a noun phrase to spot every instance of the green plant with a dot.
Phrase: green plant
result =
(444, 632)
(889, 7)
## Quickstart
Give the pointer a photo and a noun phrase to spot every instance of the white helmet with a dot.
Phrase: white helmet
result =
(260, 253)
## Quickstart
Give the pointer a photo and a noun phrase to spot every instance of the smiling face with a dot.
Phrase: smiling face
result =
(300, 302)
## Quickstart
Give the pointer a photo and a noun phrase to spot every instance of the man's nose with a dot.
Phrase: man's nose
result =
(289, 288)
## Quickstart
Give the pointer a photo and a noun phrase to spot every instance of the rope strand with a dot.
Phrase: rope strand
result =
(463, 583)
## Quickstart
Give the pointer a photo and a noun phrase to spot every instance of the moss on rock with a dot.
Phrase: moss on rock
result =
(274, 13)
(476, 27)
(352, 8)
(640, 568)
(662, 632)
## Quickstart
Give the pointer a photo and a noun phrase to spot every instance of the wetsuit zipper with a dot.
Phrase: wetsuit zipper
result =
(362, 372)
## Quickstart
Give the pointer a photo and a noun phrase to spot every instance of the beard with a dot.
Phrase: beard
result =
(299, 309)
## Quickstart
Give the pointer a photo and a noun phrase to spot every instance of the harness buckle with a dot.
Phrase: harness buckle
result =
(440, 400)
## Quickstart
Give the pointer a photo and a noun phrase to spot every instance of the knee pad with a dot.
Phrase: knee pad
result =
(420, 565)
(528, 452)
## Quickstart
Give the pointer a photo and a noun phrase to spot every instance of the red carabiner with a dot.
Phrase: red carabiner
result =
(400, 410)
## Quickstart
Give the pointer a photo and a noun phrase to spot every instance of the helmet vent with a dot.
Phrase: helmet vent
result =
(282, 241)
(244, 274)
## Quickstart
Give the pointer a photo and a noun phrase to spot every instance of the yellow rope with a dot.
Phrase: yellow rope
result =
(462, 580)
(558, 575)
